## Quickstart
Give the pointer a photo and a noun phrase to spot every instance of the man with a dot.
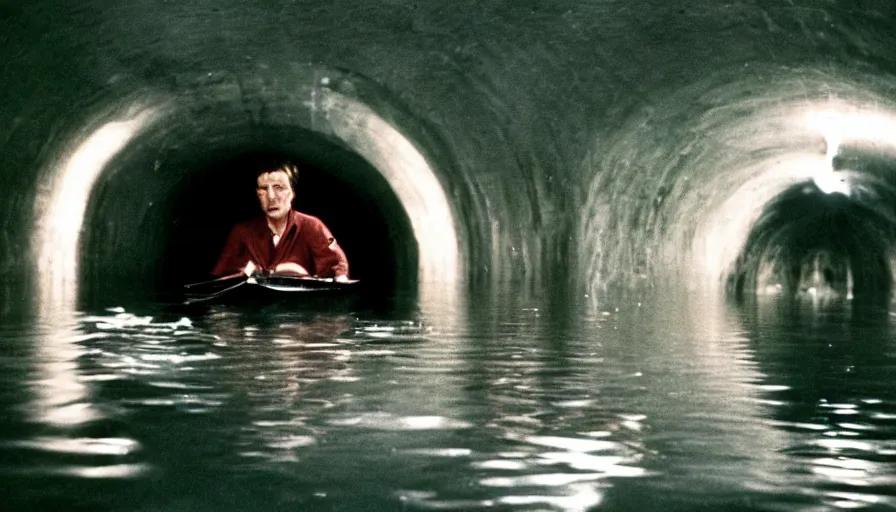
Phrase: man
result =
(283, 240)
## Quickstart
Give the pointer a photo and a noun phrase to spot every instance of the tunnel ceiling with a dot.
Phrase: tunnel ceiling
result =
(583, 142)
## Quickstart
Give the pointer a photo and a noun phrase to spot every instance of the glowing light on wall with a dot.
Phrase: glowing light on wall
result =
(830, 125)
(61, 397)
(60, 218)
(409, 176)
(718, 241)
(838, 127)
(832, 181)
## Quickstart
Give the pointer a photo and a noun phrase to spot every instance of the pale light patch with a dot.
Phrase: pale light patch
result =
(410, 177)
(717, 242)
(831, 125)
(60, 224)
(847, 124)
(61, 397)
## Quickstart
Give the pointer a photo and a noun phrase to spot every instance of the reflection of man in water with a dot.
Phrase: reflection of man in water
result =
(282, 240)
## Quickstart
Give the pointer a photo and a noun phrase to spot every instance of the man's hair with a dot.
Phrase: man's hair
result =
(276, 165)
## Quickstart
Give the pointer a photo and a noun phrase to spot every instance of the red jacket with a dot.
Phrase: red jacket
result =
(306, 241)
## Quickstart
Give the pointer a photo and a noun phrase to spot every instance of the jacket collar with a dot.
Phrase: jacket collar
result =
(293, 222)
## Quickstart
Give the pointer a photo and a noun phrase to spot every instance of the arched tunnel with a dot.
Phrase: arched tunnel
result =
(566, 145)
(568, 215)
(183, 202)
(811, 241)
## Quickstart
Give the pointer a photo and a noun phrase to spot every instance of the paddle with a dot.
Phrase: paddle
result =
(209, 296)
(216, 280)
(275, 282)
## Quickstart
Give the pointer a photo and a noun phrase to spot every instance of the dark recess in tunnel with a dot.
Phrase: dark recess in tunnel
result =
(168, 218)
(806, 238)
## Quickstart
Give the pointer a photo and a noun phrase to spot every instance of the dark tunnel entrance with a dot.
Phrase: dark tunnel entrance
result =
(169, 217)
(811, 243)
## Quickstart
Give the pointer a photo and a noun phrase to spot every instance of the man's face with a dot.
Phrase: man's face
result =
(275, 194)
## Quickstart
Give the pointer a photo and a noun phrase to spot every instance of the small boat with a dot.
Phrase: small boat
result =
(261, 285)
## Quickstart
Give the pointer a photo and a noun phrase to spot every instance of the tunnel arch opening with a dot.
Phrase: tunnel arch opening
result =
(808, 242)
(158, 206)
(161, 223)
(110, 221)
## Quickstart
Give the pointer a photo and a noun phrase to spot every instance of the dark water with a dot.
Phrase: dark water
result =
(661, 401)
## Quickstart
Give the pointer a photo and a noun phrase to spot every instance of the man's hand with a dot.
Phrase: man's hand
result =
(249, 268)
(292, 269)
(342, 279)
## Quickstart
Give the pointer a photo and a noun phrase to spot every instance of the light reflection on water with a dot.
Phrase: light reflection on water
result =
(513, 403)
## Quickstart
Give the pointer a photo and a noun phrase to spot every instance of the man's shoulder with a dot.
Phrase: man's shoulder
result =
(301, 218)
(309, 225)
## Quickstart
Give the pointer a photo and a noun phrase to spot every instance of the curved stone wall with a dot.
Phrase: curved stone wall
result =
(571, 145)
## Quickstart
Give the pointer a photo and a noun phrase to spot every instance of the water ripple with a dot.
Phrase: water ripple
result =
(83, 446)
(508, 413)
(385, 421)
